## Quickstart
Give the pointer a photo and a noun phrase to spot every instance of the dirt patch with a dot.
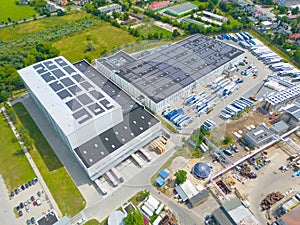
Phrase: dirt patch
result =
(254, 117)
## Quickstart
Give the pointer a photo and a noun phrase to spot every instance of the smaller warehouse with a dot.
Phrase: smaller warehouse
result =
(258, 136)
(189, 194)
(279, 127)
(110, 8)
(232, 213)
(181, 9)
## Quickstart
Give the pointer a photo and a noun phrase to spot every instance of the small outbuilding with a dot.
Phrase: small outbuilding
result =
(164, 174)
(160, 181)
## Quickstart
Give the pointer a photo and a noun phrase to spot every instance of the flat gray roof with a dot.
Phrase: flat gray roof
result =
(163, 73)
(259, 134)
(182, 8)
(136, 120)
(280, 126)
(294, 110)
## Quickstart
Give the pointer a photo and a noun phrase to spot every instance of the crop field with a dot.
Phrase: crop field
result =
(14, 166)
(102, 38)
(22, 30)
(62, 187)
(145, 30)
(9, 9)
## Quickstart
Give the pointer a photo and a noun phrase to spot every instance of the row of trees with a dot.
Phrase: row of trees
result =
(22, 131)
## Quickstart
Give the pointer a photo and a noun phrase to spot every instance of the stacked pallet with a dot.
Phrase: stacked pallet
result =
(159, 144)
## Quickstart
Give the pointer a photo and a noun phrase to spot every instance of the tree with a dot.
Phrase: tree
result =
(134, 217)
(181, 176)
(295, 11)
(210, 6)
(227, 140)
(175, 33)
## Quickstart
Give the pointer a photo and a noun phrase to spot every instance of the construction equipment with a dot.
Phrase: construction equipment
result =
(253, 97)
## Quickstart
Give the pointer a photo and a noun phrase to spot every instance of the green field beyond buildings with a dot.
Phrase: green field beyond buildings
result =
(9, 9)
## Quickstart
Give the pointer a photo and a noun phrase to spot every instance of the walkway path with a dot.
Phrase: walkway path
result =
(33, 165)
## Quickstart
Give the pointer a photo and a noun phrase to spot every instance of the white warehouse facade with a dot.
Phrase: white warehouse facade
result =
(99, 123)
(159, 79)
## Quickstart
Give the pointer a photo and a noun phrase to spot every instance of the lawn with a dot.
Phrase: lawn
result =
(14, 166)
(64, 191)
(8, 8)
(146, 29)
(23, 29)
(198, 3)
(92, 222)
(102, 38)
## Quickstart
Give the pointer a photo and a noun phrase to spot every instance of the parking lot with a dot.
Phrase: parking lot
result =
(29, 203)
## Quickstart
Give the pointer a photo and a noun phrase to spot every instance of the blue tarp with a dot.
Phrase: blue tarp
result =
(164, 174)
(160, 182)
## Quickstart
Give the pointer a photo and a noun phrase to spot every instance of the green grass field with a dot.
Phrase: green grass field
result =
(14, 166)
(64, 191)
(92, 222)
(21, 30)
(103, 38)
(145, 30)
(8, 8)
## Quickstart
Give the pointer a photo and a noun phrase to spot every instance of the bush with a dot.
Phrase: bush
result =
(181, 176)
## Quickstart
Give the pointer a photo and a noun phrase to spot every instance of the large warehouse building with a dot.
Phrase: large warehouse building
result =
(161, 78)
(98, 121)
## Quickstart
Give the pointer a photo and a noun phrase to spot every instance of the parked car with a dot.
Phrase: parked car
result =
(38, 202)
(21, 205)
(39, 194)
(27, 208)
(32, 198)
(12, 194)
(20, 213)
(81, 221)
(32, 220)
(28, 222)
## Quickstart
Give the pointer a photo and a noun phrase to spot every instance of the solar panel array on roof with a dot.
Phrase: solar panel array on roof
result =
(164, 73)
(284, 96)
(116, 93)
(76, 91)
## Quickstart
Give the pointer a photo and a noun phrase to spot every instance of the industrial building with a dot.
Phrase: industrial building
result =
(233, 212)
(110, 8)
(291, 115)
(190, 195)
(100, 123)
(258, 136)
(214, 16)
(274, 102)
(280, 127)
(161, 78)
(181, 9)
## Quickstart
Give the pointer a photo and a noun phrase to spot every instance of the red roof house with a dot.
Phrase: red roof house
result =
(157, 5)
